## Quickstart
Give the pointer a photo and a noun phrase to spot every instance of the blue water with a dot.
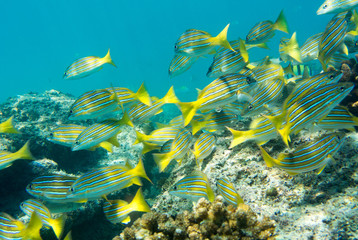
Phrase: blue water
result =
(41, 38)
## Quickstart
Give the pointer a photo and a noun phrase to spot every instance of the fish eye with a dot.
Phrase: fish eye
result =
(175, 47)
(51, 134)
(331, 76)
(325, 6)
(342, 89)
(30, 186)
(22, 205)
(175, 188)
(250, 107)
(71, 111)
(77, 142)
(71, 189)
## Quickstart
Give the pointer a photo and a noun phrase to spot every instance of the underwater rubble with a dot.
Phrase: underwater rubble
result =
(306, 206)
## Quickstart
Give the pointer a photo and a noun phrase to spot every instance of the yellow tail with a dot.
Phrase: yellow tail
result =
(162, 160)
(141, 137)
(8, 126)
(188, 110)
(68, 236)
(106, 145)
(32, 230)
(196, 126)
(114, 140)
(170, 97)
(243, 51)
(126, 120)
(267, 158)
(58, 225)
(239, 136)
(285, 134)
(143, 95)
(221, 39)
(138, 203)
(139, 171)
(24, 152)
(108, 59)
(281, 23)
(292, 49)
(148, 147)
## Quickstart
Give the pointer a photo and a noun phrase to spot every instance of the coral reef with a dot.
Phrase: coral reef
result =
(207, 221)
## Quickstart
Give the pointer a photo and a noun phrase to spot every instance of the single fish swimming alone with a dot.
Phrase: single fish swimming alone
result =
(84, 67)
(117, 211)
(336, 6)
(195, 43)
(193, 187)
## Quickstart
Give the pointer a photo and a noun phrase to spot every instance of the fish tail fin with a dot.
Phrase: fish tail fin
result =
(275, 120)
(243, 51)
(8, 126)
(262, 45)
(196, 126)
(107, 146)
(126, 120)
(114, 140)
(32, 230)
(148, 147)
(285, 134)
(108, 59)
(141, 137)
(170, 97)
(136, 181)
(24, 152)
(281, 23)
(139, 170)
(293, 49)
(238, 137)
(58, 225)
(267, 158)
(138, 203)
(188, 110)
(162, 160)
(221, 39)
(143, 95)
(289, 70)
(68, 236)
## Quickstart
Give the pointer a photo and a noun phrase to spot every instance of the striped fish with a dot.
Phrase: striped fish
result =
(193, 187)
(7, 158)
(117, 211)
(12, 229)
(227, 61)
(51, 188)
(100, 182)
(31, 205)
(267, 92)
(331, 40)
(8, 126)
(236, 108)
(203, 147)
(263, 31)
(316, 104)
(93, 104)
(180, 64)
(195, 43)
(261, 131)
(178, 149)
(268, 72)
(99, 132)
(308, 157)
(67, 134)
(336, 6)
(218, 93)
(126, 96)
(289, 49)
(166, 146)
(300, 91)
(141, 112)
(337, 59)
(309, 49)
(338, 118)
(177, 122)
(213, 121)
(84, 67)
(228, 191)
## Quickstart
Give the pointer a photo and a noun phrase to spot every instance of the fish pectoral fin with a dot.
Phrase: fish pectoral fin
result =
(126, 220)
(321, 169)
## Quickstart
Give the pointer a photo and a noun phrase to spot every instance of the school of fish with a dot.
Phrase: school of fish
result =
(240, 89)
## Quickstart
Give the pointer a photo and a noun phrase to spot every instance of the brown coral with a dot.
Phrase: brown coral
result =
(207, 221)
